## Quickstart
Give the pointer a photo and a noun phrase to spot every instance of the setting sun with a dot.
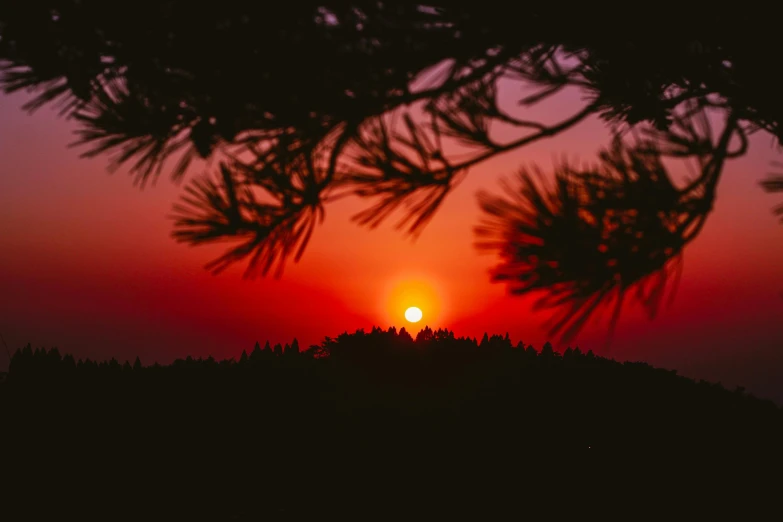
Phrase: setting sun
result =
(407, 298)
(413, 314)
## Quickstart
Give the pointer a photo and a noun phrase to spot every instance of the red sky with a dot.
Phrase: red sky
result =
(87, 265)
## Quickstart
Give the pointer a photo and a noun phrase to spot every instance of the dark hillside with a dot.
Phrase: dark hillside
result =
(377, 423)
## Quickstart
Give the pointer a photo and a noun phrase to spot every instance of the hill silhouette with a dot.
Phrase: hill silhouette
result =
(379, 424)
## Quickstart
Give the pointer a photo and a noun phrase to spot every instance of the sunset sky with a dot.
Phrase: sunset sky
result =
(87, 264)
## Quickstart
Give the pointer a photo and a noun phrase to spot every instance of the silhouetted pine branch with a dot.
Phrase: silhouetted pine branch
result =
(396, 102)
(598, 233)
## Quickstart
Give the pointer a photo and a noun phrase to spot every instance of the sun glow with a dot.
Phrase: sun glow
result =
(407, 299)
(413, 314)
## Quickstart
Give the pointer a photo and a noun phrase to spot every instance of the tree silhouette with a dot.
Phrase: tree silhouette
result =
(376, 419)
(599, 232)
(396, 103)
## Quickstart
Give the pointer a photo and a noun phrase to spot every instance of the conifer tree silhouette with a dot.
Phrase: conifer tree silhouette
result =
(396, 104)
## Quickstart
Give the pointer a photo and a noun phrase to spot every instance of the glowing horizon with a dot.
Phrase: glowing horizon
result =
(89, 266)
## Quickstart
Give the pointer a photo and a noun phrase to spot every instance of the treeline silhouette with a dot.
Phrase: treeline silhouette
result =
(377, 423)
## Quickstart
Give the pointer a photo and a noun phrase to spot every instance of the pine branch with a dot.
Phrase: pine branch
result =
(599, 233)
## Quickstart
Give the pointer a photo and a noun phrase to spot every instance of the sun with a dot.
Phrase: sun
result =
(407, 300)
(413, 314)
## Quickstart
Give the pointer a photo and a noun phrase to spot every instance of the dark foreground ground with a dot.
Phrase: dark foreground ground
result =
(376, 426)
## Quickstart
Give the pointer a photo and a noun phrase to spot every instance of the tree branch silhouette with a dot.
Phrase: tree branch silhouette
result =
(390, 158)
(396, 104)
(598, 233)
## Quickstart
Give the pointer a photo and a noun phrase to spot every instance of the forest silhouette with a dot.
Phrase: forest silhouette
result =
(300, 104)
(378, 424)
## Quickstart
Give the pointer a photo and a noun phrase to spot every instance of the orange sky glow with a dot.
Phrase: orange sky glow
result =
(87, 264)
